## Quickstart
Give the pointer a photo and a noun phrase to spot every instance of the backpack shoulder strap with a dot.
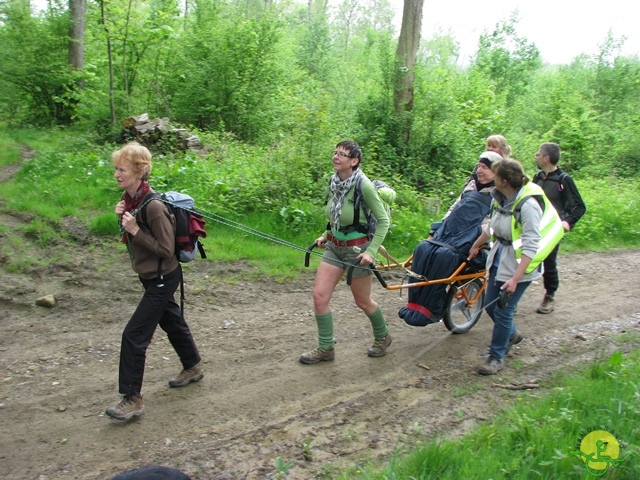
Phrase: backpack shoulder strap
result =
(538, 178)
(142, 211)
(561, 180)
(326, 197)
(357, 201)
(517, 210)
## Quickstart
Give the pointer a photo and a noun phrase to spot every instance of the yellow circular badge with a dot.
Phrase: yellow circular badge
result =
(600, 448)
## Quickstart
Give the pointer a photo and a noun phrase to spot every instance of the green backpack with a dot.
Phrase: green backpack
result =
(387, 195)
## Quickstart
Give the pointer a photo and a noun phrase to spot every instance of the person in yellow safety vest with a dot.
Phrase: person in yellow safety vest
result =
(551, 229)
(521, 238)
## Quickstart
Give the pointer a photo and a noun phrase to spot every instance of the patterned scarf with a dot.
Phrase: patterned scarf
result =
(131, 204)
(339, 189)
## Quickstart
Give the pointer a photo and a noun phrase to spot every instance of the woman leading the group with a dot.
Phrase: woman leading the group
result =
(344, 242)
(516, 220)
(151, 248)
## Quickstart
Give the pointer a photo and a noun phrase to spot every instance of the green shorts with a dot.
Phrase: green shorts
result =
(343, 257)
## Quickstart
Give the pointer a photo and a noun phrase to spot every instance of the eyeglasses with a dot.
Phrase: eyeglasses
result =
(341, 154)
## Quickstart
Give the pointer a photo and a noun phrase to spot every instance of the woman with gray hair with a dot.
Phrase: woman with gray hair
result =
(448, 245)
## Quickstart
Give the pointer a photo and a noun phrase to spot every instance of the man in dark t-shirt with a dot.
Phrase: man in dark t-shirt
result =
(563, 194)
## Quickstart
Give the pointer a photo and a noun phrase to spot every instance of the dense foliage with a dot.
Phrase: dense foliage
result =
(275, 72)
(272, 86)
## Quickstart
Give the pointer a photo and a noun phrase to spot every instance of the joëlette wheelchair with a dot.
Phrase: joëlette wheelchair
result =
(465, 288)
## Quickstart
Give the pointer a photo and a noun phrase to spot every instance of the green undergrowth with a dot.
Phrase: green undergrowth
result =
(10, 153)
(29, 248)
(261, 206)
(539, 435)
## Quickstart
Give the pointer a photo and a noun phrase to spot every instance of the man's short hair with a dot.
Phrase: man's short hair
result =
(552, 150)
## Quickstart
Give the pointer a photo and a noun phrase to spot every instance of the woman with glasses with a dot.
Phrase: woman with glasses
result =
(345, 242)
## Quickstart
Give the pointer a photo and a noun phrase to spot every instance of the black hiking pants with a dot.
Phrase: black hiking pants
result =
(157, 307)
(550, 276)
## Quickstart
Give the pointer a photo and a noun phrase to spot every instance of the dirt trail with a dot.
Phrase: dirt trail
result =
(257, 402)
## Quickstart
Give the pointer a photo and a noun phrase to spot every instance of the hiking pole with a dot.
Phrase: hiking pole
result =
(371, 266)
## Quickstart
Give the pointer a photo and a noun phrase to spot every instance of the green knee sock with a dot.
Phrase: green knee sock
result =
(325, 330)
(379, 324)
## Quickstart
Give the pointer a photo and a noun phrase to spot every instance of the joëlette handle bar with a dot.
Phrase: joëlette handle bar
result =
(351, 267)
(308, 254)
(373, 269)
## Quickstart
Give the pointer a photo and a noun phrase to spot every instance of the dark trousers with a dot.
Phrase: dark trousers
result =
(550, 276)
(157, 307)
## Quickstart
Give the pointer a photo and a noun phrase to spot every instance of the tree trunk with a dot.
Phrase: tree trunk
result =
(316, 9)
(125, 73)
(110, 57)
(77, 12)
(406, 54)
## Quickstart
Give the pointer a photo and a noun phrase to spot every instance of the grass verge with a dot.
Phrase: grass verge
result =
(556, 436)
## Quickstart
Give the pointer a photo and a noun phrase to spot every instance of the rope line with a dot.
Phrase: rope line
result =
(244, 228)
(252, 231)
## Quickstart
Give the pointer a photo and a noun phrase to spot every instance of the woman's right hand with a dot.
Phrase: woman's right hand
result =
(510, 286)
(130, 224)
(321, 241)
(120, 207)
(475, 248)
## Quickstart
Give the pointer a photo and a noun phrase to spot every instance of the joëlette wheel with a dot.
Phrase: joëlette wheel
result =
(464, 306)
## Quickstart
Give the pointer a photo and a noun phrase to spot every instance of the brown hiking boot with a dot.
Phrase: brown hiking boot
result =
(185, 377)
(317, 355)
(492, 367)
(547, 305)
(516, 338)
(130, 406)
(379, 347)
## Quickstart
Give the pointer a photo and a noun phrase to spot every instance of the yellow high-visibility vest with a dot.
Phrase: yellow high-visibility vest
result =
(551, 229)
